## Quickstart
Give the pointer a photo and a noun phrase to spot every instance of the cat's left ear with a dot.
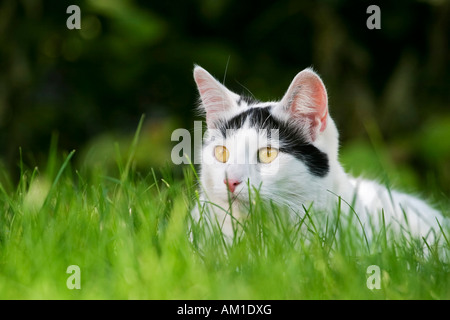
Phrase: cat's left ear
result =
(306, 103)
(217, 100)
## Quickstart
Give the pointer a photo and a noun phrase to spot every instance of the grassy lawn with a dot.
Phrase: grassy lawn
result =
(129, 236)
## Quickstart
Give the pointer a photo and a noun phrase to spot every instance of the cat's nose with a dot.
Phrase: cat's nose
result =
(232, 184)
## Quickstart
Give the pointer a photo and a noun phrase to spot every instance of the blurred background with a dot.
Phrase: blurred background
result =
(388, 89)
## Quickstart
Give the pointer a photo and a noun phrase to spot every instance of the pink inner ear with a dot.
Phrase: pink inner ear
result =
(202, 85)
(207, 92)
(321, 101)
(310, 102)
(213, 94)
(323, 120)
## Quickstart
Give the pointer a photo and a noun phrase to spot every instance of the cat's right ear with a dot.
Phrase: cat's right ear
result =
(216, 99)
(306, 103)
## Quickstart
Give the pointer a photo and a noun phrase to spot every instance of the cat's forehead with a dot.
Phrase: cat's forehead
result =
(245, 100)
(256, 117)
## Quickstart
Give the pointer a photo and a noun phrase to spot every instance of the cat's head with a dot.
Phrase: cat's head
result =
(285, 149)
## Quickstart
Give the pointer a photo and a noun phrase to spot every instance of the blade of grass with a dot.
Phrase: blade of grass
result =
(443, 233)
(52, 156)
(132, 151)
(58, 176)
(359, 220)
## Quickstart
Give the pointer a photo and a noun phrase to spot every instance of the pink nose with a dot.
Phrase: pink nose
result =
(232, 184)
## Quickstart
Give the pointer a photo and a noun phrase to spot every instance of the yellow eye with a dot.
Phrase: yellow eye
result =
(221, 153)
(267, 155)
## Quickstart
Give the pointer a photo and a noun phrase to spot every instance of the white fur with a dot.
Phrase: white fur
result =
(287, 180)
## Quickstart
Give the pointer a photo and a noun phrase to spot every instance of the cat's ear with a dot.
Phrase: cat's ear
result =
(216, 99)
(306, 103)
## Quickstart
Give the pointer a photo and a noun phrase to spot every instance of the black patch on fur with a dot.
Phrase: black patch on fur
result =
(291, 140)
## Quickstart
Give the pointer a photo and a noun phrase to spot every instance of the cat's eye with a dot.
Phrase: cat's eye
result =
(221, 153)
(267, 154)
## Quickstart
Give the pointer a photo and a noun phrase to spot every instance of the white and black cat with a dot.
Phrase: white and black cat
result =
(288, 150)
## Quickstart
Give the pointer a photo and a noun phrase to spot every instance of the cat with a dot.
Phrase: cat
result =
(288, 150)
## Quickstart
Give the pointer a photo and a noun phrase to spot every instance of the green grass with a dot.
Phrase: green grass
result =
(129, 234)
